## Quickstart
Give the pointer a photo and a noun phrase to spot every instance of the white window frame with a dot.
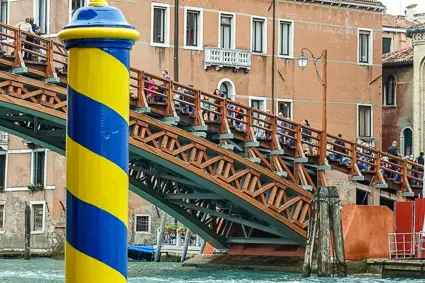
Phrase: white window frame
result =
(22, 151)
(291, 43)
(285, 100)
(4, 216)
(86, 2)
(167, 25)
(264, 39)
(359, 30)
(233, 95)
(149, 225)
(262, 98)
(357, 120)
(32, 216)
(45, 164)
(200, 45)
(233, 35)
(35, 16)
(8, 12)
(395, 91)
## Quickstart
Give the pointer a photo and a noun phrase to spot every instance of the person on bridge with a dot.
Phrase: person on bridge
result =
(340, 148)
(26, 27)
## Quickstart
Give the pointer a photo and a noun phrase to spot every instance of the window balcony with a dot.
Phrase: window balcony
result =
(231, 58)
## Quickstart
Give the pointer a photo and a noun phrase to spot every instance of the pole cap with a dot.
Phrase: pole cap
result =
(98, 20)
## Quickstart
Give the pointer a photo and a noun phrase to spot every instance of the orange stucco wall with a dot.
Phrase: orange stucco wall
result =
(365, 231)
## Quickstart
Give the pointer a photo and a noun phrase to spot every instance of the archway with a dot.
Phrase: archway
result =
(406, 141)
(227, 87)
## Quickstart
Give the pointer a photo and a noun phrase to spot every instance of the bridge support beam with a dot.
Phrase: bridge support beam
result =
(99, 41)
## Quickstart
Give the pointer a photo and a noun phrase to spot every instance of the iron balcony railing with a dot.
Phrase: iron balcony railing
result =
(219, 57)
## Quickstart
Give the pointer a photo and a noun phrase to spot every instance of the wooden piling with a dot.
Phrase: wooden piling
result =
(186, 245)
(160, 238)
(203, 244)
(323, 261)
(311, 238)
(27, 252)
(338, 237)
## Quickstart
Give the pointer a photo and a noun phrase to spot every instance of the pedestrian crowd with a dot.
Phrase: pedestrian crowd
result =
(31, 43)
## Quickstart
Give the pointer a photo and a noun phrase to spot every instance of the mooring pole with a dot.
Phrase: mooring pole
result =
(160, 237)
(27, 232)
(99, 41)
(323, 255)
(186, 245)
(338, 235)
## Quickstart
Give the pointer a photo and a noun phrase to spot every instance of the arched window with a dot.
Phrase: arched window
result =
(390, 91)
(227, 87)
(406, 141)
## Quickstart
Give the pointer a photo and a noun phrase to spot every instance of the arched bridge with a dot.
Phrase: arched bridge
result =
(230, 173)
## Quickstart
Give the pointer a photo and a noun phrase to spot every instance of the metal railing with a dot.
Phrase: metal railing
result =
(406, 245)
(238, 59)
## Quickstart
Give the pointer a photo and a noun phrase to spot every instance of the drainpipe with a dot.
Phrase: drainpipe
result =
(273, 55)
(176, 40)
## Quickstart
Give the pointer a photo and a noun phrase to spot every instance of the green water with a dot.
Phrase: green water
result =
(52, 271)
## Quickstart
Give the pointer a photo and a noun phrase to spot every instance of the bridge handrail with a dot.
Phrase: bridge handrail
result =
(304, 138)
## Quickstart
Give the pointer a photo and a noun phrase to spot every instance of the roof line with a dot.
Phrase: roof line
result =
(376, 6)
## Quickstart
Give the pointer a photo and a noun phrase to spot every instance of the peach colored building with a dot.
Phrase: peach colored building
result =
(225, 44)
(394, 36)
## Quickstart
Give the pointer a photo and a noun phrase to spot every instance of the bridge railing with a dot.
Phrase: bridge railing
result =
(168, 98)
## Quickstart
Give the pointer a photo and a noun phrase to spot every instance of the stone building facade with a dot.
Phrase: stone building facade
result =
(211, 31)
(208, 30)
(23, 167)
(397, 105)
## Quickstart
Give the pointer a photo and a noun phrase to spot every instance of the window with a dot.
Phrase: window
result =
(160, 24)
(39, 159)
(1, 216)
(37, 217)
(390, 91)
(386, 45)
(143, 224)
(285, 107)
(407, 142)
(364, 113)
(41, 16)
(365, 44)
(193, 28)
(77, 4)
(258, 36)
(286, 34)
(4, 11)
(227, 87)
(2, 170)
(227, 32)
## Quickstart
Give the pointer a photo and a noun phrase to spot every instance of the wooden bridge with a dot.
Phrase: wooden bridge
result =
(230, 173)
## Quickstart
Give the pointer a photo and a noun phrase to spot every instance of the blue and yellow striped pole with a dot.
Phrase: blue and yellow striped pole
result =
(99, 41)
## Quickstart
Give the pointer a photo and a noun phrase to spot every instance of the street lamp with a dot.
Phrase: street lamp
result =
(302, 63)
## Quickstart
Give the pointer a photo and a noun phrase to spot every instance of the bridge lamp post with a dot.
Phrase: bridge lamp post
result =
(323, 79)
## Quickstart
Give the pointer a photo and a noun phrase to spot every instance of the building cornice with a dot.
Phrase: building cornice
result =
(353, 4)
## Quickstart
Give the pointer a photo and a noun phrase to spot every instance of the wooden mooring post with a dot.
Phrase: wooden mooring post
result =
(27, 252)
(160, 238)
(325, 238)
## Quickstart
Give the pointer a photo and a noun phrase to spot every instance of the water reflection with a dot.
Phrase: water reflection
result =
(52, 271)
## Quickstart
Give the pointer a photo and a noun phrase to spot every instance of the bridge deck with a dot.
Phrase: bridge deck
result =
(180, 141)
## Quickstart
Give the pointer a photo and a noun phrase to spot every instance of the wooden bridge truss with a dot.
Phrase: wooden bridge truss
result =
(209, 168)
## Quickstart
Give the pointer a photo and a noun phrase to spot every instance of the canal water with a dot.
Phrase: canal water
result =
(52, 271)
